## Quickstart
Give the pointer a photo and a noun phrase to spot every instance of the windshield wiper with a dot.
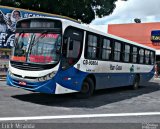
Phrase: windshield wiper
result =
(35, 41)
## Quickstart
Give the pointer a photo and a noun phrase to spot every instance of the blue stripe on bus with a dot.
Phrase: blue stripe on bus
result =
(43, 87)
(50, 85)
(73, 79)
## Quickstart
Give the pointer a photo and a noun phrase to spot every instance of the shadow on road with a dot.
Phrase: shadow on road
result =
(100, 98)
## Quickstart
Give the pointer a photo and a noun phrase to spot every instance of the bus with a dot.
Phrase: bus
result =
(58, 56)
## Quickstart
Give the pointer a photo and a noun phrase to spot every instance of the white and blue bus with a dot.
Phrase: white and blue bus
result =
(57, 56)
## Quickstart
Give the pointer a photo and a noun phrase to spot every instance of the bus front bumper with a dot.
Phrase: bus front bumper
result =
(49, 87)
(43, 87)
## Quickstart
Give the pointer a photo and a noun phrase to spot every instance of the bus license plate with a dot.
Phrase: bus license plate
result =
(22, 83)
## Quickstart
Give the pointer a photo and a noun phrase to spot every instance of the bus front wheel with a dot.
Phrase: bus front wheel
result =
(87, 89)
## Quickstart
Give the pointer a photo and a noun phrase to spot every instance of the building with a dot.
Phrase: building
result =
(142, 33)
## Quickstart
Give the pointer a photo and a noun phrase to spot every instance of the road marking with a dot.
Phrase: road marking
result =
(78, 116)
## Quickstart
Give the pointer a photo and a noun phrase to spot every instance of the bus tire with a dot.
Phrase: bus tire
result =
(87, 89)
(136, 82)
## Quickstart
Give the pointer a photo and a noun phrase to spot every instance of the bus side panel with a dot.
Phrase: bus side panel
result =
(42, 87)
(145, 77)
(71, 78)
(110, 80)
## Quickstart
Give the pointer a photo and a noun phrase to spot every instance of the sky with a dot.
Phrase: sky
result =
(126, 12)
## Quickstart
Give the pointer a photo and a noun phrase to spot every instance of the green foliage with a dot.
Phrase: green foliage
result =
(84, 10)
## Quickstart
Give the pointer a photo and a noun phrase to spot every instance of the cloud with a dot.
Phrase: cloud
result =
(125, 12)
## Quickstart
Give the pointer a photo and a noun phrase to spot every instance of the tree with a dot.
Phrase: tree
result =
(84, 10)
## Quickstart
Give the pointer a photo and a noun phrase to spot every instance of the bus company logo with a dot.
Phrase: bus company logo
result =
(115, 67)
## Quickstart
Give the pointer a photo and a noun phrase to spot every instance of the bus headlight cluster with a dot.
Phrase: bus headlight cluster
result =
(47, 77)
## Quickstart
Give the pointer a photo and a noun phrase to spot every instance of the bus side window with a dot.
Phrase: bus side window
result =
(92, 46)
(127, 53)
(117, 51)
(141, 56)
(134, 55)
(147, 53)
(152, 58)
(106, 49)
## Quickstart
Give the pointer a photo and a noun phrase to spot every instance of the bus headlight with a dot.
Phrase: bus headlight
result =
(47, 77)
(40, 79)
(44, 78)
(51, 74)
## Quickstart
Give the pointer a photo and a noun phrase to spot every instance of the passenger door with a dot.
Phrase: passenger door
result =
(72, 46)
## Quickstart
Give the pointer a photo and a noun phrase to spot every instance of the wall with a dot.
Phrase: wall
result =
(137, 32)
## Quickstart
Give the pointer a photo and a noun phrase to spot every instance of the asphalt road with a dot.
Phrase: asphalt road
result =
(17, 103)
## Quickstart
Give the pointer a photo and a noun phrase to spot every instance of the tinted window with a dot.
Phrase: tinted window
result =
(106, 49)
(141, 56)
(117, 51)
(147, 53)
(92, 46)
(152, 57)
(126, 53)
(134, 55)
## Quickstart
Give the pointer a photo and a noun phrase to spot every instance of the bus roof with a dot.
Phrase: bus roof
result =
(87, 28)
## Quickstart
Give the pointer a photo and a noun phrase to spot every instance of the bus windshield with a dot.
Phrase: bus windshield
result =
(37, 47)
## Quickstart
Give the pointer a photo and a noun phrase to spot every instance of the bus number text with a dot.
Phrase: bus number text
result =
(90, 62)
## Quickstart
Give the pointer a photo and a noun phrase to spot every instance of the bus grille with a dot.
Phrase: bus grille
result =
(31, 67)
